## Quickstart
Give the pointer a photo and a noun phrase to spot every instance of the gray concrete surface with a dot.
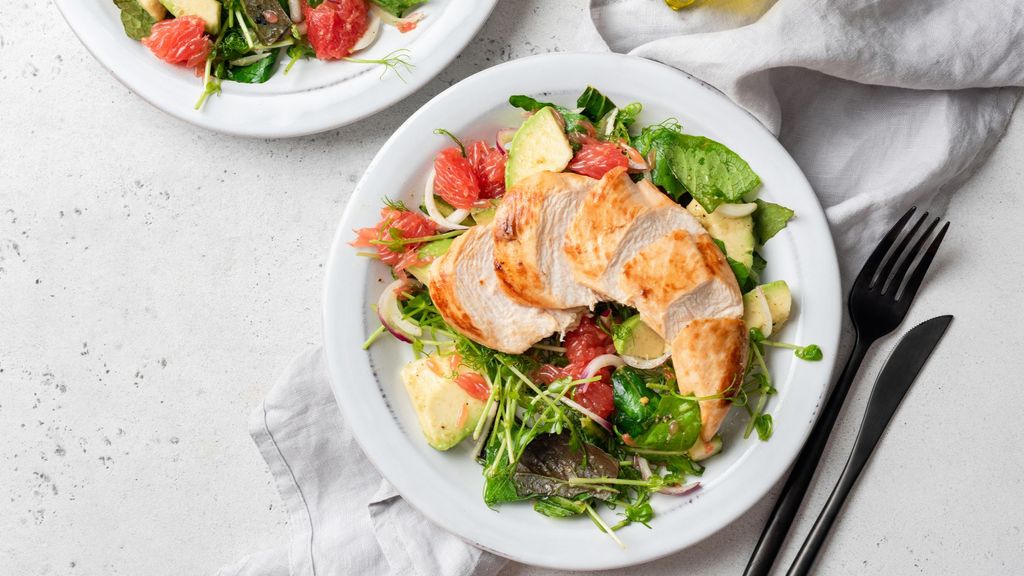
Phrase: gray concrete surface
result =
(154, 278)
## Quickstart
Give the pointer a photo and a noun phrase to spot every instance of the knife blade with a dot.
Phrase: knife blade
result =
(898, 374)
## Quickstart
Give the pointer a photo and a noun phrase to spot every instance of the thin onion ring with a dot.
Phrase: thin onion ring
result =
(602, 361)
(453, 219)
(391, 315)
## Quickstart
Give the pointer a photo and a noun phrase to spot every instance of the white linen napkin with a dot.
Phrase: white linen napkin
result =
(883, 104)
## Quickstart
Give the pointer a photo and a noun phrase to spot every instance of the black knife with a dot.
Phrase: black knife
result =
(899, 372)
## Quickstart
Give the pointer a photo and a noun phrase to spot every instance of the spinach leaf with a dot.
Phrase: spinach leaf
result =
(769, 219)
(632, 412)
(712, 173)
(661, 139)
(594, 104)
(398, 7)
(676, 425)
(255, 73)
(559, 507)
(136, 20)
(574, 123)
(739, 270)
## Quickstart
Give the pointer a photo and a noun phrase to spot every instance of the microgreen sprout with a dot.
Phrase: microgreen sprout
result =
(443, 132)
(394, 61)
(811, 352)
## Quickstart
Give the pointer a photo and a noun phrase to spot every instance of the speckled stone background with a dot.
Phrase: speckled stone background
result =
(155, 277)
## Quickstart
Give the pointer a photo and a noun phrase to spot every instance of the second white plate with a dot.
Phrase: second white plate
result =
(315, 96)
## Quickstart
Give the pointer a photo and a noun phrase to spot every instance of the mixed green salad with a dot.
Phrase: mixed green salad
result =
(244, 40)
(592, 422)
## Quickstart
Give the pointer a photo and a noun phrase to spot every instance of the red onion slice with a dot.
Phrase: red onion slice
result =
(503, 139)
(601, 421)
(453, 219)
(391, 315)
(602, 361)
(643, 466)
(679, 490)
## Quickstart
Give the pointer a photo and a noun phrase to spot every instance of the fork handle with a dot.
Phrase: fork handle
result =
(786, 507)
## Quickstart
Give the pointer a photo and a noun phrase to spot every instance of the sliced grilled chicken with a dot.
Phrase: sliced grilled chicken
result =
(609, 211)
(650, 226)
(678, 278)
(465, 290)
(710, 356)
(529, 231)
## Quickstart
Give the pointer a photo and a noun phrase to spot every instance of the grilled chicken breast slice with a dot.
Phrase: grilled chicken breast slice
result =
(710, 356)
(465, 290)
(608, 212)
(529, 233)
(678, 278)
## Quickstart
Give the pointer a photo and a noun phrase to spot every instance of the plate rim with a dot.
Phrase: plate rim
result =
(425, 71)
(830, 277)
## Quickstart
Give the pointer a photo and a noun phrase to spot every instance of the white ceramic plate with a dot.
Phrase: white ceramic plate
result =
(447, 486)
(313, 97)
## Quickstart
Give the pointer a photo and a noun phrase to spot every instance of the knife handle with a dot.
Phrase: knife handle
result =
(793, 491)
(822, 526)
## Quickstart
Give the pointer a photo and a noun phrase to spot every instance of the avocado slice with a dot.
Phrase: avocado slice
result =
(702, 450)
(780, 301)
(485, 216)
(447, 414)
(208, 10)
(635, 338)
(155, 9)
(429, 251)
(736, 233)
(540, 144)
(756, 313)
(767, 307)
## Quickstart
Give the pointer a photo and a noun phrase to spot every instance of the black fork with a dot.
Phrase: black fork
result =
(879, 300)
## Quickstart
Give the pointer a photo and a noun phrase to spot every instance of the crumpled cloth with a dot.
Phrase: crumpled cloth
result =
(883, 103)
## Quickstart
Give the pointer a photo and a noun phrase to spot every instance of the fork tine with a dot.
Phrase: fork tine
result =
(880, 280)
(867, 272)
(914, 282)
(894, 284)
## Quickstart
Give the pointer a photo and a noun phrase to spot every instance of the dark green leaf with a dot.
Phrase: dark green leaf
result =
(769, 219)
(632, 412)
(661, 139)
(594, 104)
(550, 460)
(136, 21)
(676, 425)
(255, 73)
(712, 173)
(232, 45)
(574, 123)
(399, 7)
